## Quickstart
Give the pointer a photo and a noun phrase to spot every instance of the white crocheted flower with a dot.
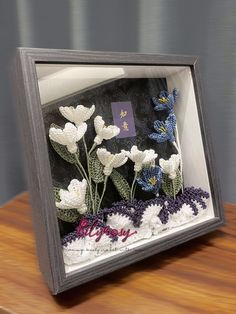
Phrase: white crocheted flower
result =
(110, 160)
(170, 166)
(69, 136)
(118, 221)
(74, 197)
(141, 158)
(185, 214)
(104, 132)
(77, 115)
(150, 216)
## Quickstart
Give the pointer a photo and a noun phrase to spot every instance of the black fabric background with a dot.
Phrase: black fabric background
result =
(138, 91)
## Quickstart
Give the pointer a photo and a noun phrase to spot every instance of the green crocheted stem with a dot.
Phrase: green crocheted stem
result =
(171, 187)
(92, 148)
(89, 174)
(121, 185)
(133, 186)
(95, 197)
(67, 215)
(177, 147)
(62, 151)
(96, 168)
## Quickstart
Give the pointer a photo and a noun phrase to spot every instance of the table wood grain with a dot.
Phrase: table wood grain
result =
(196, 277)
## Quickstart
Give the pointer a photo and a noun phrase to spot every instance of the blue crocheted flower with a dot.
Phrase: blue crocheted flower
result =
(150, 179)
(165, 101)
(164, 130)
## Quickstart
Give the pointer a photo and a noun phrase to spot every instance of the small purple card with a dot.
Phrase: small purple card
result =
(123, 118)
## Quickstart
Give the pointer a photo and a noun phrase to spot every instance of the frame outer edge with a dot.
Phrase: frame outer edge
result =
(208, 146)
(30, 166)
(44, 221)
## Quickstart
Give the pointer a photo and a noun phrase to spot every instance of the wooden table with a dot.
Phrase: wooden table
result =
(196, 277)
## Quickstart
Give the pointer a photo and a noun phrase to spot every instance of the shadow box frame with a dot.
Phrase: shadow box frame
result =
(37, 164)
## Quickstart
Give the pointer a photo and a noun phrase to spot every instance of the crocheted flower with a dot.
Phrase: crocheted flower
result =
(141, 158)
(150, 179)
(118, 221)
(165, 101)
(164, 130)
(150, 216)
(170, 166)
(77, 115)
(104, 132)
(74, 196)
(110, 160)
(69, 136)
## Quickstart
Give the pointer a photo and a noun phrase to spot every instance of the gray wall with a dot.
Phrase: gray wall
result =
(205, 27)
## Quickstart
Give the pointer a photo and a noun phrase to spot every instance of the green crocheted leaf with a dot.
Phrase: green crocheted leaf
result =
(68, 215)
(56, 192)
(121, 184)
(62, 150)
(171, 187)
(96, 168)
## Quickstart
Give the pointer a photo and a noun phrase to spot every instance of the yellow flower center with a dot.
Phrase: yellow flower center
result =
(162, 129)
(163, 100)
(152, 180)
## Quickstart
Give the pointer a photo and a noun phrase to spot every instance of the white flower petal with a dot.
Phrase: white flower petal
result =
(72, 148)
(77, 115)
(104, 132)
(70, 131)
(111, 161)
(119, 159)
(67, 112)
(74, 196)
(141, 158)
(107, 170)
(74, 185)
(170, 166)
(83, 188)
(137, 166)
(118, 221)
(82, 209)
(98, 124)
(150, 215)
(58, 136)
(68, 136)
(68, 200)
(81, 130)
(82, 114)
(104, 156)
(150, 156)
(98, 140)
(109, 132)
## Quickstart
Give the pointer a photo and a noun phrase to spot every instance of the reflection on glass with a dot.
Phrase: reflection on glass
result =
(126, 154)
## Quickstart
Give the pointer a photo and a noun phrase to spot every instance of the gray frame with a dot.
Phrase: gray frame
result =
(39, 174)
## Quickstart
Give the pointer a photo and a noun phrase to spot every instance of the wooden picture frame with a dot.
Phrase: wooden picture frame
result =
(35, 145)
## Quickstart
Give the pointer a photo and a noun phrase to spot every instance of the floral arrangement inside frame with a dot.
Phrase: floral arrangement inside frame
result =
(117, 169)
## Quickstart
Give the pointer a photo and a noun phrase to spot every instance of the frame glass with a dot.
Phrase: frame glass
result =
(119, 160)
